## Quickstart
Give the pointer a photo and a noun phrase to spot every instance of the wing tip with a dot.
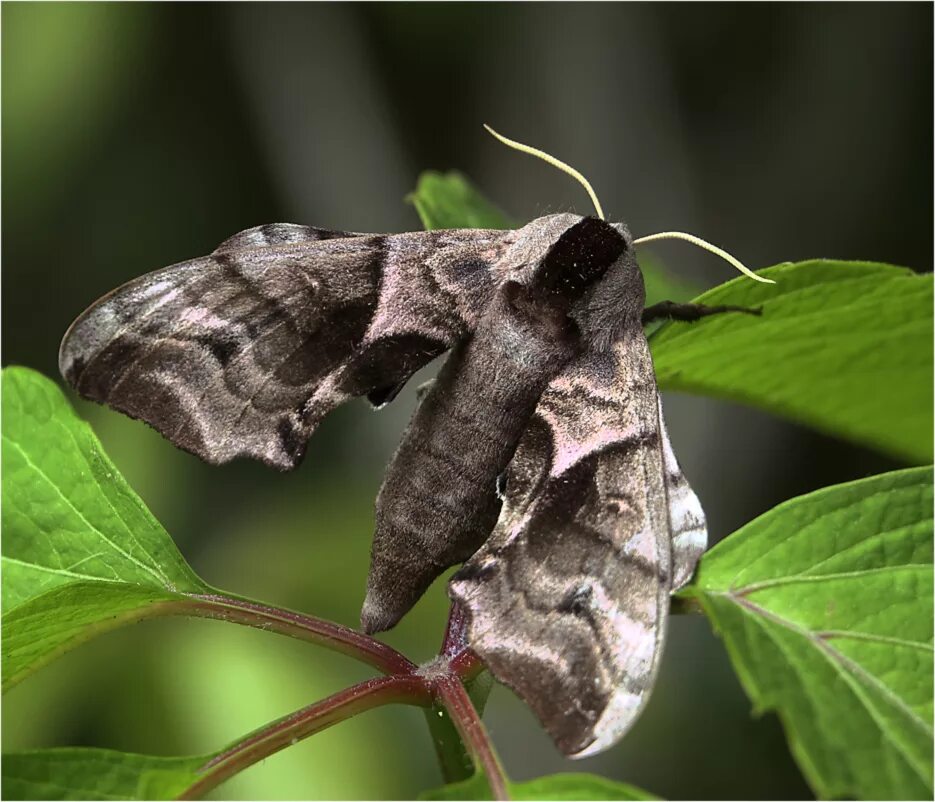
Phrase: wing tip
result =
(615, 721)
(615, 718)
(71, 359)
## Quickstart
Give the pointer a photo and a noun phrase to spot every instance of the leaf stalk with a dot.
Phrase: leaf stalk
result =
(451, 693)
(290, 729)
(324, 633)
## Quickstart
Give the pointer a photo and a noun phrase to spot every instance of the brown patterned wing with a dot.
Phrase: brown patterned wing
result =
(568, 599)
(243, 352)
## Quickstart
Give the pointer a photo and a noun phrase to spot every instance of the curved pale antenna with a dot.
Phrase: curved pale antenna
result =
(706, 246)
(565, 168)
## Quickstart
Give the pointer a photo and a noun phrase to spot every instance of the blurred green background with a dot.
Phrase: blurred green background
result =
(136, 136)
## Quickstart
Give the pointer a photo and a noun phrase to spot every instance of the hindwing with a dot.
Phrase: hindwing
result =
(568, 600)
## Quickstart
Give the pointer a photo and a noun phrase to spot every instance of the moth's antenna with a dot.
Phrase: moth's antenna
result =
(565, 168)
(706, 246)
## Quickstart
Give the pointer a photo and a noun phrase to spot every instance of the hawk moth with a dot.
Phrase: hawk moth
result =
(539, 456)
(433, 510)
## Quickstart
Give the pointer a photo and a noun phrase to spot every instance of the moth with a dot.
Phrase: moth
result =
(539, 457)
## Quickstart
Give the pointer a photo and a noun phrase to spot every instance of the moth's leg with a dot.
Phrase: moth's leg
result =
(670, 310)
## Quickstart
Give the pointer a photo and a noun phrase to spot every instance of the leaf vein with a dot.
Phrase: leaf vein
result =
(856, 668)
(806, 579)
(68, 502)
(838, 662)
(152, 561)
(65, 571)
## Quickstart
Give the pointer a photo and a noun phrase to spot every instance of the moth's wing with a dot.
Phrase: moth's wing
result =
(242, 352)
(567, 601)
(686, 517)
(279, 234)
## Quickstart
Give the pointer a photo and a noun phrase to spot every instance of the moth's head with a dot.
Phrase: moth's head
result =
(613, 302)
(589, 262)
(616, 303)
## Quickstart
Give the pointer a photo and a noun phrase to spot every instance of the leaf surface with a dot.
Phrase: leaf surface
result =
(81, 552)
(87, 773)
(844, 347)
(825, 606)
(554, 786)
(449, 200)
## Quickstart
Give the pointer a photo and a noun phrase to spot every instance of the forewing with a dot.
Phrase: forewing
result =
(568, 599)
(241, 353)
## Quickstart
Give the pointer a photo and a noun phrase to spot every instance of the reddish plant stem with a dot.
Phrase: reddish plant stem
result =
(404, 684)
(455, 639)
(315, 630)
(461, 660)
(305, 722)
(466, 665)
(451, 693)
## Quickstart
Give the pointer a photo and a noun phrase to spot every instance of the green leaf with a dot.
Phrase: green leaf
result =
(49, 625)
(554, 786)
(825, 606)
(661, 285)
(449, 200)
(845, 347)
(81, 553)
(86, 773)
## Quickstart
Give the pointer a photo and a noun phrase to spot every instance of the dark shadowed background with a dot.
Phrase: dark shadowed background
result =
(138, 136)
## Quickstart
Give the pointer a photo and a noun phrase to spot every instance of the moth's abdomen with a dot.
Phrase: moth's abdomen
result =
(438, 503)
